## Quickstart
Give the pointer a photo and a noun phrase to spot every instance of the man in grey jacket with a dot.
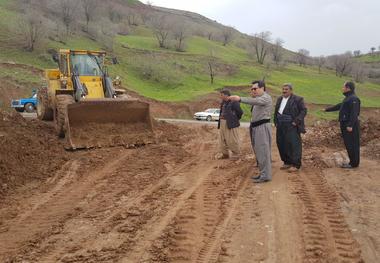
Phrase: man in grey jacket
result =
(260, 128)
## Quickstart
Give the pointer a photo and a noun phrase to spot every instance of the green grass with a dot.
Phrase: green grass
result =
(20, 75)
(167, 75)
(369, 58)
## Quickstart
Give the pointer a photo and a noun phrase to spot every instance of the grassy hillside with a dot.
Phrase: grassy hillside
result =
(167, 75)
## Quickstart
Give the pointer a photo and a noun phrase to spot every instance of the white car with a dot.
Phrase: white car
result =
(208, 115)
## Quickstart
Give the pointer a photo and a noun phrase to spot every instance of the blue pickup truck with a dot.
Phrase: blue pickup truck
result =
(27, 104)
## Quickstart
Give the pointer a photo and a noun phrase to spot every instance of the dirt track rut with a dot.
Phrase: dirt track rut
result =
(172, 202)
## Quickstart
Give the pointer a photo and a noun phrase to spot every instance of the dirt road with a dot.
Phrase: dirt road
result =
(172, 202)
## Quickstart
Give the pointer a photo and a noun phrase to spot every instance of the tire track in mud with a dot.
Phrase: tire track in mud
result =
(134, 216)
(47, 216)
(195, 233)
(327, 237)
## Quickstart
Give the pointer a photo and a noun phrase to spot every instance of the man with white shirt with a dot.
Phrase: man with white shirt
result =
(289, 115)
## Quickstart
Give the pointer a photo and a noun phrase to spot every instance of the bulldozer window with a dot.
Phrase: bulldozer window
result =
(85, 65)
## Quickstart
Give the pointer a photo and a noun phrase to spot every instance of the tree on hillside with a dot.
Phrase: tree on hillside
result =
(115, 13)
(161, 28)
(321, 61)
(342, 63)
(357, 53)
(277, 50)
(261, 45)
(180, 34)
(89, 9)
(66, 9)
(211, 63)
(227, 35)
(31, 31)
(145, 11)
(359, 71)
(373, 50)
(132, 17)
(210, 34)
(107, 34)
(302, 56)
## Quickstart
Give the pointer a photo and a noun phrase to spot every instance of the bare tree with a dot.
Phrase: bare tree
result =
(145, 11)
(115, 12)
(132, 17)
(67, 11)
(373, 50)
(180, 34)
(277, 50)
(321, 61)
(359, 72)
(107, 34)
(342, 64)
(211, 62)
(302, 56)
(161, 28)
(227, 35)
(261, 45)
(89, 9)
(31, 30)
(210, 34)
(357, 53)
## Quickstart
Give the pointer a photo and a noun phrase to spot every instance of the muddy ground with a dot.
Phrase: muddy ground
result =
(171, 201)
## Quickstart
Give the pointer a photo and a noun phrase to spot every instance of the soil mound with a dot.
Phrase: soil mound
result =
(29, 149)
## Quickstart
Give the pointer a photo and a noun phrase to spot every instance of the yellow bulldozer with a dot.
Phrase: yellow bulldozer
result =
(80, 99)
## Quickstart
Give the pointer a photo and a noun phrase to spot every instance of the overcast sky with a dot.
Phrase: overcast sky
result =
(323, 27)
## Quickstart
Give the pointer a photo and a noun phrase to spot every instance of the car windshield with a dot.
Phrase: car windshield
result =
(86, 64)
(34, 96)
(210, 110)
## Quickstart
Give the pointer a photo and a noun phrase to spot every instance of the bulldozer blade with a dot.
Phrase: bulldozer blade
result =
(107, 123)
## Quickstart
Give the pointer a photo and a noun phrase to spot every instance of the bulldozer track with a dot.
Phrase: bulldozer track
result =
(326, 234)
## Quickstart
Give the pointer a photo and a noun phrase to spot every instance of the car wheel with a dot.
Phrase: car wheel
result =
(29, 107)
(208, 118)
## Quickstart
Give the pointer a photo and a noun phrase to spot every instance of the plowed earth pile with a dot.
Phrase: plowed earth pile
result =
(28, 150)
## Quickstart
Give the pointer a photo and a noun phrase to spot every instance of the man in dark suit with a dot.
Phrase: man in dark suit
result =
(289, 115)
(229, 121)
(349, 111)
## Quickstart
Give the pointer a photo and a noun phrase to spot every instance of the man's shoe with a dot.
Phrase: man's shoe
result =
(261, 180)
(285, 166)
(346, 166)
(293, 169)
(255, 177)
(220, 156)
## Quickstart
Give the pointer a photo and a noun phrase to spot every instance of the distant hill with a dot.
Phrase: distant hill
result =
(126, 30)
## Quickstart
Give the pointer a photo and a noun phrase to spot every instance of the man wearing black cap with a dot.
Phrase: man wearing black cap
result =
(349, 111)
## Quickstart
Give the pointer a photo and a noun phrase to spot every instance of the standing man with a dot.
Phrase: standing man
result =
(229, 121)
(349, 111)
(260, 128)
(289, 115)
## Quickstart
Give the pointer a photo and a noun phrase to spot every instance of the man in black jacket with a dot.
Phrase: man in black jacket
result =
(289, 115)
(229, 121)
(349, 111)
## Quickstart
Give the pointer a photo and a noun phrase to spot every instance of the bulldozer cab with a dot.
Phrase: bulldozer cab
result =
(87, 112)
(83, 72)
